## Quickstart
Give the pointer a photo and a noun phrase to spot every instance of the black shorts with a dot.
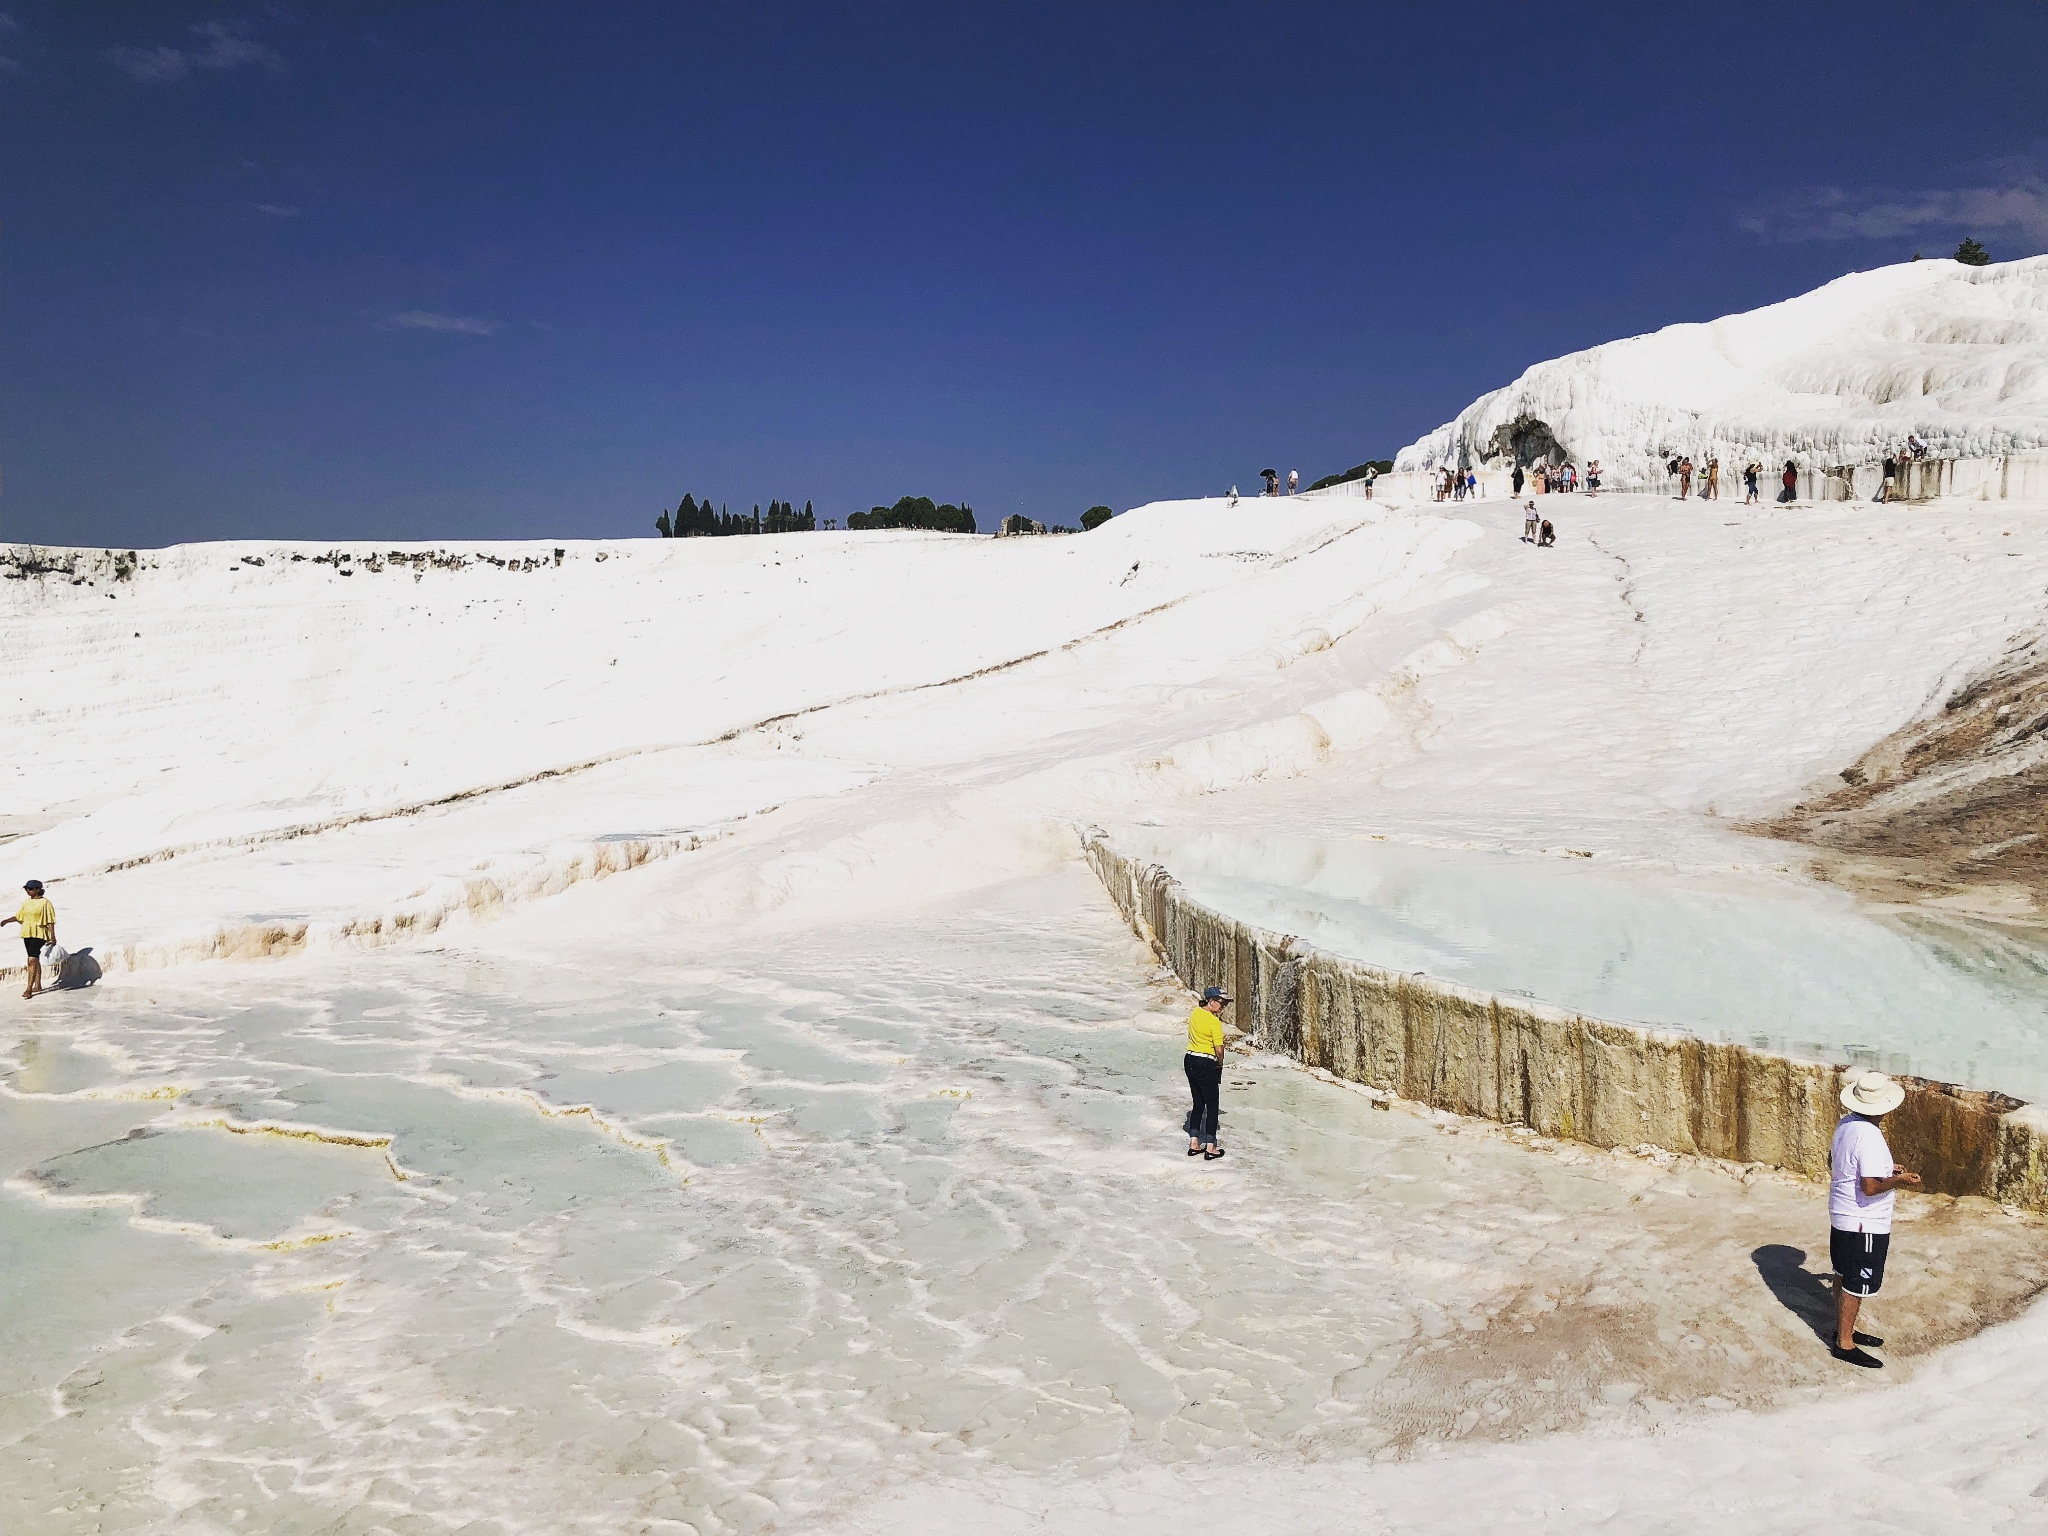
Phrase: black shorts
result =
(35, 946)
(1859, 1259)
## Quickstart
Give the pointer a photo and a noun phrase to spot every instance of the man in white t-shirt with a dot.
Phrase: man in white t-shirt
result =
(1861, 1193)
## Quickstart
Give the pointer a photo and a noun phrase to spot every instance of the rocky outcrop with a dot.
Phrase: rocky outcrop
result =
(1560, 1073)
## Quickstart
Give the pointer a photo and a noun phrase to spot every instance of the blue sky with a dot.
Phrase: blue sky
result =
(466, 270)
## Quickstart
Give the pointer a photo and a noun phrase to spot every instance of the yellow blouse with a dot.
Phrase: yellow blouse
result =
(1205, 1034)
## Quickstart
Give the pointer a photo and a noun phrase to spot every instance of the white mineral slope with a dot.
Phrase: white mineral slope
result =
(1837, 376)
(764, 744)
(216, 746)
(288, 751)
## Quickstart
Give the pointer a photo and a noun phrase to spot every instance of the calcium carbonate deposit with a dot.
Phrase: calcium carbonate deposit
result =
(612, 1037)
(1956, 356)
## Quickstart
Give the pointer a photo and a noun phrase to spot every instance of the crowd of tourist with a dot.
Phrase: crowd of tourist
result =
(1696, 480)
(1541, 479)
(1702, 482)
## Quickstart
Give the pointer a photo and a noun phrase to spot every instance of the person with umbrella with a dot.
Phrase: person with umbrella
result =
(1272, 479)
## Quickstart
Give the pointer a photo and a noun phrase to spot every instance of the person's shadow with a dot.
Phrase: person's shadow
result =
(1806, 1296)
(79, 969)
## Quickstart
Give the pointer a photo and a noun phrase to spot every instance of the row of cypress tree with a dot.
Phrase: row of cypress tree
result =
(694, 519)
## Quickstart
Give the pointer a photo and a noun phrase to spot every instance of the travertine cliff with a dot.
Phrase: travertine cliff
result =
(1558, 1072)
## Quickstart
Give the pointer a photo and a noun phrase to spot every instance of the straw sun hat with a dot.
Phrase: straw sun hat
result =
(1872, 1093)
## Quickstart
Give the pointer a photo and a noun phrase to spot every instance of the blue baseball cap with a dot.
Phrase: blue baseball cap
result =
(1211, 994)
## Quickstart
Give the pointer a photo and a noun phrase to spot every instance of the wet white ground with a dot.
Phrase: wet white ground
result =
(723, 1241)
(773, 1117)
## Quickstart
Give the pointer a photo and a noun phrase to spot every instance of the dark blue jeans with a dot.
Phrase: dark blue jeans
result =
(1205, 1083)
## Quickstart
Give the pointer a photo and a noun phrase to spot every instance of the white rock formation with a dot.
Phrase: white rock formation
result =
(1956, 354)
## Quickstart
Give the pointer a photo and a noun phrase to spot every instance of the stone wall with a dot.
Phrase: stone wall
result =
(1558, 1072)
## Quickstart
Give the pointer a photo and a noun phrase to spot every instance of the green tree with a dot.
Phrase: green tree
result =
(661, 525)
(1095, 517)
(916, 512)
(1971, 254)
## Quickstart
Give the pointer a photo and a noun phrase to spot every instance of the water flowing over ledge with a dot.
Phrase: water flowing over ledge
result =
(1559, 1072)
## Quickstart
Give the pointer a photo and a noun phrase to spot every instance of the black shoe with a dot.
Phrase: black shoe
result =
(1856, 1357)
(1868, 1340)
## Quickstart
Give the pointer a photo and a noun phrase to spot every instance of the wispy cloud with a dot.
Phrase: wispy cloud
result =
(429, 320)
(219, 48)
(8, 24)
(2016, 203)
(281, 210)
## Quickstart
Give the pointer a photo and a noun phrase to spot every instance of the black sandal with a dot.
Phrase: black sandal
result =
(1212, 1156)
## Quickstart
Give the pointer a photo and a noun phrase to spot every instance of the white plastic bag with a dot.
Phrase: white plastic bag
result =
(53, 959)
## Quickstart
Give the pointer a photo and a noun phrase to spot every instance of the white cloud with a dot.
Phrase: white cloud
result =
(428, 320)
(2019, 207)
(219, 48)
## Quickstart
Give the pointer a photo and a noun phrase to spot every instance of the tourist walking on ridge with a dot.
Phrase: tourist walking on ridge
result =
(1530, 519)
(38, 921)
(1204, 1065)
(1790, 480)
(1752, 477)
(1862, 1187)
(1293, 480)
(1272, 479)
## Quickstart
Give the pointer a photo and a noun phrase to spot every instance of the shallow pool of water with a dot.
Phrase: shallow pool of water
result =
(430, 1242)
(1780, 963)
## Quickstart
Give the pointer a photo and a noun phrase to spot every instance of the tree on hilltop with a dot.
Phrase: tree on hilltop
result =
(916, 512)
(1095, 517)
(1971, 254)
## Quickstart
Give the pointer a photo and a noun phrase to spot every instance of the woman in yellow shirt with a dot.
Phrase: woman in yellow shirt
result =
(38, 921)
(1205, 1072)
